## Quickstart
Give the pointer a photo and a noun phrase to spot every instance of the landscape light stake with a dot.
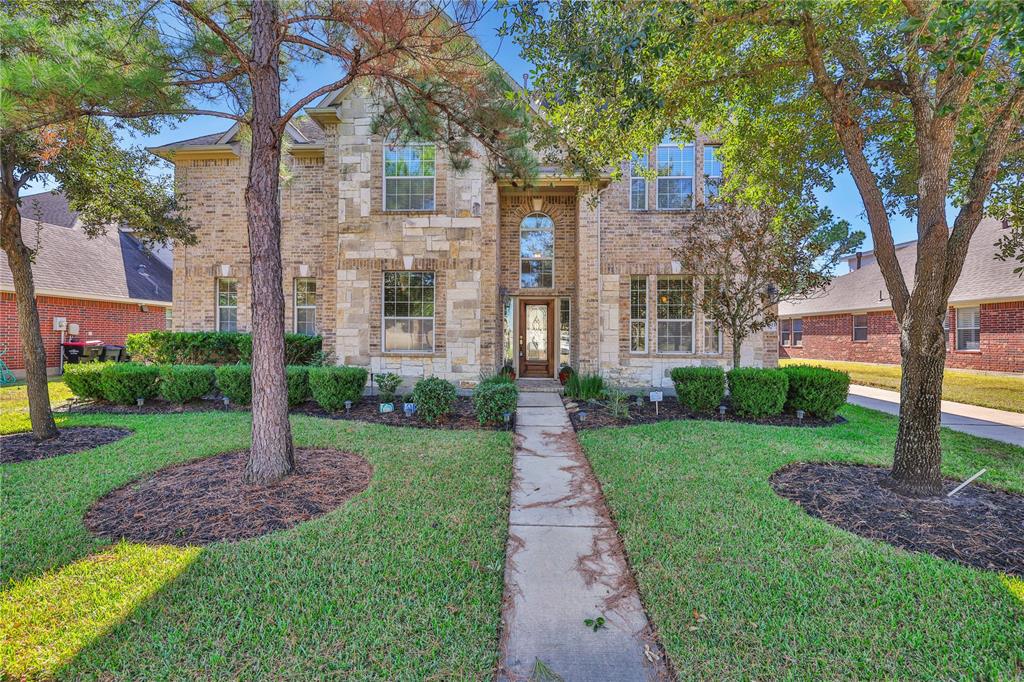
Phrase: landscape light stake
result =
(226, 400)
(139, 401)
(721, 411)
(348, 406)
(963, 485)
(800, 416)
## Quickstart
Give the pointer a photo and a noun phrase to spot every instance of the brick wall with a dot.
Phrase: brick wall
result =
(97, 320)
(830, 337)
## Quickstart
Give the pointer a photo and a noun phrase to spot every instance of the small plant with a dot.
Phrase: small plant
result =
(585, 387)
(388, 384)
(85, 379)
(618, 403)
(182, 383)
(595, 624)
(700, 389)
(564, 372)
(235, 381)
(434, 398)
(818, 391)
(492, 399)
(332, 386)
(508, 371)
(126, 382)
(758, 392)
(298, 384)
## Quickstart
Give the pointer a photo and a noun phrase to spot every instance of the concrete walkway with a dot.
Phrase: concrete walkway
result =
(977, 421)
(565, 565)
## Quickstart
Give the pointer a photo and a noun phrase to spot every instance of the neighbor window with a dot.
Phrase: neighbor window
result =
(409, 177)
(968, 328)
(785, 326)
(408, 311)
(564, 329)
(168, 318)
(305, 307)
(860, 327)
(798, 332)
(675, 315)
(675, 175)
(638, 314)
(638, 183)
(712, 337)
(536, 252)
(712, 172)
(227, 305)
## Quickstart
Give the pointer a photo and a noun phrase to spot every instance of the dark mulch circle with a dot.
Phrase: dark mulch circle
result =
(206, 501)
(22, 447)
(594, 414)
(979, 526)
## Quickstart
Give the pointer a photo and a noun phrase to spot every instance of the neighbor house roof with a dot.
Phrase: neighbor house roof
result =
(49, 207)
(110, 267)
(983, 279)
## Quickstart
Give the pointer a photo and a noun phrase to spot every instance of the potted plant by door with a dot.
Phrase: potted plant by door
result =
(508, 371)
(564, 372)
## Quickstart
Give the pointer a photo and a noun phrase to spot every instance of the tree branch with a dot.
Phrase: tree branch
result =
(229, 43)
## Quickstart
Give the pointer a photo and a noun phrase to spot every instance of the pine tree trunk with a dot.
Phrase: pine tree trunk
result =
(271, 457)
(19, 259)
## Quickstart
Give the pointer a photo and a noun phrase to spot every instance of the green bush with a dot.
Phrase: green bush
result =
(434, 398)
(493, 398)
(215, 348)
(235, 381)
(585, 386)
(332, 386)
(387, 384)
(818, 391)
(299, 349)
(700, 389)
(85, 379)
(298, 384)
(758, 392)
(182, 383)
(124, 382)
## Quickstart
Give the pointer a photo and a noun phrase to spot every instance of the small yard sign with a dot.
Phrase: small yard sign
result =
(656, 397)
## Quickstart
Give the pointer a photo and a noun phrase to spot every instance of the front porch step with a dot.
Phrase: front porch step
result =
(539, 385)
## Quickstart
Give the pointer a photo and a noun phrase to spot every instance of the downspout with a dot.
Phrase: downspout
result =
(597, 360)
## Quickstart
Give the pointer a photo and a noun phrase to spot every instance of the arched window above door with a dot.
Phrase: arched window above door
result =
(537, 252)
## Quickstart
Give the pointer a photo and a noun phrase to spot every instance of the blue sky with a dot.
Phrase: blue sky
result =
(844, 201)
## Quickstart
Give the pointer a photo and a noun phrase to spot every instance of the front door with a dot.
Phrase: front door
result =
(536, 338)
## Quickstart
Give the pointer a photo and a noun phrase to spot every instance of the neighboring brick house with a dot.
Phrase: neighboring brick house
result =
(853, 320)
(405, 265)
(110, 285)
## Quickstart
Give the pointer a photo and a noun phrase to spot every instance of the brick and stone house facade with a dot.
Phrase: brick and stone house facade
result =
(405, 265)
(852, 320)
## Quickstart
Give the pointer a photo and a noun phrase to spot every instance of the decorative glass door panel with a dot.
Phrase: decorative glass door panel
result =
(536, 339)
(536, 333)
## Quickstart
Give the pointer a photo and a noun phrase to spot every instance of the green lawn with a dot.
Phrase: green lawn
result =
(986, 390)
(402, 582)
(782, 595)
(14, 405)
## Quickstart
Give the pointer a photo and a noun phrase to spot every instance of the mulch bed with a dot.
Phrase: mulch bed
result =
(22, 447)
(206, 501)
(594, 414)
(979, 526)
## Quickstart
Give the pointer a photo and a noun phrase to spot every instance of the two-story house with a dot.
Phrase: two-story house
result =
(404, 265)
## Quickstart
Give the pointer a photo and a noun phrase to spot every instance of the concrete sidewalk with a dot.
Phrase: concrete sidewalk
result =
(565, 564)
(977, 421)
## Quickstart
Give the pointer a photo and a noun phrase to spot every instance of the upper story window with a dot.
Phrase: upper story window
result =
(860, 327)
(675, 306)
(537, 252)
(227, 305)
(712, 172)
(637, 183)
(305, 306)
(968, 328)
(409, 172)
(408, 311)
(675, 175)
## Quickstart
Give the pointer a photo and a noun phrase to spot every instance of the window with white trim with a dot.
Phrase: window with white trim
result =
(968, 328)
(638, 314)
(798, 332)
(305, 306)
(537, 252)
(408, 311)
(860, 327)
(638, 183)
(227, 305)
(785, 327)
(675, 175)
(712, 337)
(409, 171)
(564, 332)
(712, 172)
(675, 310)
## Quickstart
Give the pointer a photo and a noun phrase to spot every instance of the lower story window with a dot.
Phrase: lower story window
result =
(305, 307)
(860, 327)
(798, 332)
(564, 338)
(968, 328)
(712, 337)
(785, 328)
(638, 314)
(408, 311)
(675, 315)
(227, 305)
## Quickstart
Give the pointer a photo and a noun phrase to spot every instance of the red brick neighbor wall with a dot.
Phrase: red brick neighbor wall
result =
(830, 337)
(105, 321)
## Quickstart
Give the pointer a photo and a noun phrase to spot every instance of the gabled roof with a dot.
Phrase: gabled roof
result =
(983, 279)
(49, 207)
(111, 267)
(302, 132)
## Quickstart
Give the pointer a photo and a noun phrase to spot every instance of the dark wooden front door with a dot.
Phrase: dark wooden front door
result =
(536, 338)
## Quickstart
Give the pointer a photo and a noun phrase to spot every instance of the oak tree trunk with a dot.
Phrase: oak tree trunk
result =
(19, 259)
(736, 343)
(271, 457)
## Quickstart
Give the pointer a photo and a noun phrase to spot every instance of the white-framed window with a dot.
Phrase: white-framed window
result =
(798, 332)
(712, 172)
(675, 175)
(409, 173)
(675, 310)
(712, 337)
(638, 314)
(638, 183)
(227, 305)
(564, 332)
(408, 311)
(968, 328)
(785, 328)
(305, 306)
(537, 252)
(168, 318)
(860, 327)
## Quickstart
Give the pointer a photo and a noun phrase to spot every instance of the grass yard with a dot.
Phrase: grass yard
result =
(403, 582)
(14, 405)
(985, 390)
(741, 584)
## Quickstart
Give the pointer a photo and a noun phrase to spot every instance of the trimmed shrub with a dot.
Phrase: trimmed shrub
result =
(298, 384)
(387, 384)
(434, 398)
(235, 381)
(124, 382)
(700, 389)
(493, 398)
(818, 391)
(332, 386)
(585, 386)
(299, 349)
(215, 348)
(758, 392)
(85, 379)
(182, 383)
